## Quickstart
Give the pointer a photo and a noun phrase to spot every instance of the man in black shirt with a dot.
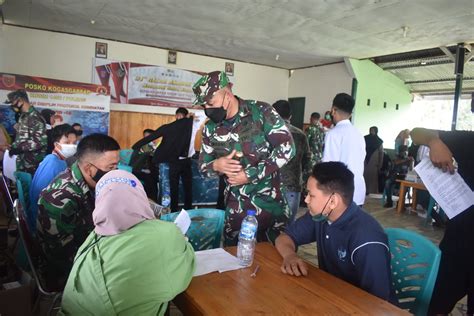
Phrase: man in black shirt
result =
(456, 271)
(174, 150)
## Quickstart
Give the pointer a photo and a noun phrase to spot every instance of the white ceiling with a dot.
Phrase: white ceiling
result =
(302, 32)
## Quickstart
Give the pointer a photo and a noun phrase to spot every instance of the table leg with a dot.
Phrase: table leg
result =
(413, 200)
(401, 198)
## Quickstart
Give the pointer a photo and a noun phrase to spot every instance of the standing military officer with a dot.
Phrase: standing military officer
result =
(31, 141)
(315, 134)
(247, 142)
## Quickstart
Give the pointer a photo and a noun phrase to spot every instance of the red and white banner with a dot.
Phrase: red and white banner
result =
(133, 83)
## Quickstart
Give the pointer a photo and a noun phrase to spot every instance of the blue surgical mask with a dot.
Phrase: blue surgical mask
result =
(321, 217)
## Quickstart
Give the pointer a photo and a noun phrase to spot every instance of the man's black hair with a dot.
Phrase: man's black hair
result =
(375, 128)
(315, 116)
(344, 102)
(61, 130)
(76, 124)
(148, 130)
(183, 111)
(283, 108)
(335, 177)
(15, 95)
(47, 114)
(96, 144)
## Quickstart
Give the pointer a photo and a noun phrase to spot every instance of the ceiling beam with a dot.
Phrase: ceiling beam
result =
(468, 57)
(438, 80)
(418, 64)
(448, 53)
(443, 91)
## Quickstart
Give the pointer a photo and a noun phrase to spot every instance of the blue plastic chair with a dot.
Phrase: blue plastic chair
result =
(206, 227)
(124, 167)
(125, 156)
(415, 262)
(430, 209)
(23, 183)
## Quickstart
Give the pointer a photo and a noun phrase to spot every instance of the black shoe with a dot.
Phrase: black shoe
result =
(388, 204)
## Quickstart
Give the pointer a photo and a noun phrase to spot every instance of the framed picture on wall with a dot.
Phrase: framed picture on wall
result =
(229, 69)
(100, 50)
(172, 57)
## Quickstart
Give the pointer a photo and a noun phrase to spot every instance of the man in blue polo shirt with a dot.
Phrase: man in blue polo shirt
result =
(351, 244)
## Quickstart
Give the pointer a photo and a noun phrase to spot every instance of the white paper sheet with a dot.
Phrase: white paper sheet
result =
(183, 221)
(449, 190)
(218, 259)
(9, 165)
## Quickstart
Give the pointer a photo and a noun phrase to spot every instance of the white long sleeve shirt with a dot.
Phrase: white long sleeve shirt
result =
(346, 144)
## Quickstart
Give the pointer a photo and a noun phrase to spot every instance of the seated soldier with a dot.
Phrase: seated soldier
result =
(65, 206)
(351, 244)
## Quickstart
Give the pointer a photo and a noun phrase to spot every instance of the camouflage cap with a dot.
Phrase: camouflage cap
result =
(15, 95)
(208, 84)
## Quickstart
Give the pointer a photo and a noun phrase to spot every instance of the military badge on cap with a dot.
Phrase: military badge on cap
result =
(208, 84)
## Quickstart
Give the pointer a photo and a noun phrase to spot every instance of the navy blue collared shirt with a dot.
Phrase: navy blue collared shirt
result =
(353, 248)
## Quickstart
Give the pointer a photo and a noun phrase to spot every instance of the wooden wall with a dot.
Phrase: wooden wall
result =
(127, 127)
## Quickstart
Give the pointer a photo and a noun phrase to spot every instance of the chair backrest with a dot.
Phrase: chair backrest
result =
(124, 167)
(32, 249)
(23, 183)
(125, 156)
(206, 227)
(414, 263)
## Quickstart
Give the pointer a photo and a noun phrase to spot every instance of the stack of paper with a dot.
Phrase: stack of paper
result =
(218, 259)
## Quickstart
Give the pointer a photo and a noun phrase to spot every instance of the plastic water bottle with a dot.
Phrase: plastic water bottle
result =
(166, 202)
(247, 239)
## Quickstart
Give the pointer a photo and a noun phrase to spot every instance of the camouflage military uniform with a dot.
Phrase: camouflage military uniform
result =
(64, 219)
(31, 141)
(292, 173)
(261, 135)
(315, 134)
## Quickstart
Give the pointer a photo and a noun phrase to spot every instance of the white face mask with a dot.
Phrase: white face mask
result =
(68, 150)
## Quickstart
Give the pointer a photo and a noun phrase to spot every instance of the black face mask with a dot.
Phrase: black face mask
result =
(217, 115)
(99, 174)
(16, 108)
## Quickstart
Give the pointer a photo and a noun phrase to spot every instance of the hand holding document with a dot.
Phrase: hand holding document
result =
(183, 221)
(449, 190)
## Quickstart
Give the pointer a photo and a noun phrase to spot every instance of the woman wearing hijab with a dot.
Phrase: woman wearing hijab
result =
(131, 264)
(373, 160)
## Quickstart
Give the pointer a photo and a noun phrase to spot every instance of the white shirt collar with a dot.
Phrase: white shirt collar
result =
(343, 122)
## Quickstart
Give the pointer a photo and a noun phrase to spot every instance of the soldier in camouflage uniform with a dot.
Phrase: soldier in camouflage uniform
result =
(31, 141)
(292, 173)
(247, 142)
(65, 206)
(315, 134)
